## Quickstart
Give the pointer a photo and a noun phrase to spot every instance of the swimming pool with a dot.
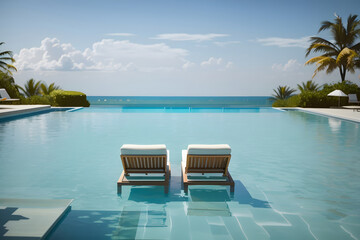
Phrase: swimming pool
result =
(296, 174)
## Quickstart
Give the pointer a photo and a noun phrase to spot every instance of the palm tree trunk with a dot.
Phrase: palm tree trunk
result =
(342, 72)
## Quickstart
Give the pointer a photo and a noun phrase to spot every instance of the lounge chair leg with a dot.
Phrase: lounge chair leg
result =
(186, 188)
(166, 188)
(119, 189)
(232, 188)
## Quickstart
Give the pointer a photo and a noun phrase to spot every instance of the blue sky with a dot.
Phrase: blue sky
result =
(168, 48)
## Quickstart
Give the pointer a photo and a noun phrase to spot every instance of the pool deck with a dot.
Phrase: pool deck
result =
(342, 113)
(16, 110)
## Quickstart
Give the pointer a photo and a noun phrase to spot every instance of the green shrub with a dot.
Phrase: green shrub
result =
(63, 98)
(292, 101)
(346, 86)
(309, 99)
(321, 100)
(44, 100)
(8, 83)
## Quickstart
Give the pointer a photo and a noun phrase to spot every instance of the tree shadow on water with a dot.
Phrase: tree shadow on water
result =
(6, 215)
(97, 224)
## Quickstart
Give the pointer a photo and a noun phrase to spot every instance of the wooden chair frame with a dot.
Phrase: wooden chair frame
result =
(146, 164)
(207, 164)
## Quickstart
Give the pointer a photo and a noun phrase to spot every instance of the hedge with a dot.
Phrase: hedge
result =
(309, 99)
(63, 98)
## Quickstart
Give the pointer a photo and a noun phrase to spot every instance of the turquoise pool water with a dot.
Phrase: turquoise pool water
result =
(296, 174)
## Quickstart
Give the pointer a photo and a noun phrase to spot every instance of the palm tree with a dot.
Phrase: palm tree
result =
(283, 92)
(308, 86)
(32, 88)
(46, 90)
(4, 58)
(335, 53)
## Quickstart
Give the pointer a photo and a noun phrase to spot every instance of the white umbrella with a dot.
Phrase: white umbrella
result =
(337, 93)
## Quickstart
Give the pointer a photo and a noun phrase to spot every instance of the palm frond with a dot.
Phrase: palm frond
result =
(7, 56)
(6, 53)
(283, 92)
(346, 56)
(320, 47)
(46, 90)
(315, 60)
(325, 25)
(3, 66)
(19, 87)
(353, 28)
(7, 59)
(326, 61)
(331, 68)
(32, 88)
(9, 66)
(319, 40)
(356, 47)
(308, 86)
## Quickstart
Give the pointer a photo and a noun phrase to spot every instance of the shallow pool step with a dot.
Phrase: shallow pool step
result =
(30, 218)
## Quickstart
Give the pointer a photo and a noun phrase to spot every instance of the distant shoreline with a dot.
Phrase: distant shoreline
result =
(178, 101)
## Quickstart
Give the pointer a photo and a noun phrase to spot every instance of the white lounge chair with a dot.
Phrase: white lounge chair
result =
(145, 165)
(4, 96)
(353, 99)
(206, 165)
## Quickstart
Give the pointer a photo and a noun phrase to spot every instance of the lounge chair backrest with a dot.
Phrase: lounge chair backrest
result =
(208, 158)
(4, 94)
(353, 98)
(144, 158)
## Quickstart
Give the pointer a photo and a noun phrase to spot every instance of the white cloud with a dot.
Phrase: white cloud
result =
(106, 55)
(222, 44)
(188, 65)
(51, 55)
(285, 42)
(211, 62)
(121, 34)
(189, 37)
(229, 65)
(216, 63)
(291, 65)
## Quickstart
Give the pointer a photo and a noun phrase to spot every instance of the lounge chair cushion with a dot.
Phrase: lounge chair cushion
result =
(213, 149)
(132, 149)
(4, 94)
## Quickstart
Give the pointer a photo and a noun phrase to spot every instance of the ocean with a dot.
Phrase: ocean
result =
(213, 102)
